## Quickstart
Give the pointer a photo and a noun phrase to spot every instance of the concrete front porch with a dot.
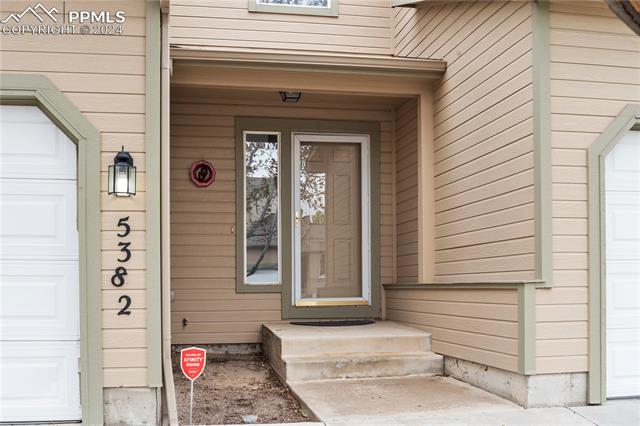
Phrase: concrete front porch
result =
(355, 372)
(386, 374)
(382, 349)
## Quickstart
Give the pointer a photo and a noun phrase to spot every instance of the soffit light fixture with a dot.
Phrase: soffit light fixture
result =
(290, 96)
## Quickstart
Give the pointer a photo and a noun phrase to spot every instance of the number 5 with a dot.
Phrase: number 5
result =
(127, 229)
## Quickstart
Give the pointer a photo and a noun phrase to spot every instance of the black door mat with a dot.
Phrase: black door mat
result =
(335, 323)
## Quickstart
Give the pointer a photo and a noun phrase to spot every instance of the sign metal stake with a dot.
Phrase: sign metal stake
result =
(192, 362)
(191, 405)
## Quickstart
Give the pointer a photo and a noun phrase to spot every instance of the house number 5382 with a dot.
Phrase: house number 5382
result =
(120, 272)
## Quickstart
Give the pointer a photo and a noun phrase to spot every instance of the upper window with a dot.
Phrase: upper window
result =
(298, 7)
(262, 203)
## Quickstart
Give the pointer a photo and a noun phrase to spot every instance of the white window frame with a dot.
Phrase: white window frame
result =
(244, 204)
(330, 10)
(365, 166)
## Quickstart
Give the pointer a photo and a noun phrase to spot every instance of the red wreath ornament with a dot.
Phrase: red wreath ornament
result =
(202, 173)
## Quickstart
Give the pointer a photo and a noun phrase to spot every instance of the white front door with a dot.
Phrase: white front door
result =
(331, 220)
(622, 208)
(39, 277)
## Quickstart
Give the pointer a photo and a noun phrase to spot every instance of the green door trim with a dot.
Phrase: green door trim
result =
(286, 127)
(628, 119)
(37, 90)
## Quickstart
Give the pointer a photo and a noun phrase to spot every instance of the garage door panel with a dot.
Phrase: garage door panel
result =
(623, 226)
(623, 301)
(38, 220)
(621, 164)
(623, 364)
(39, 381)
(39, 300)
(622, 247)
(33, 147)
(39, 270)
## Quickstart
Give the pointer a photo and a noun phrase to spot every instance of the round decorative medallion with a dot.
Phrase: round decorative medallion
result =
(202, 173)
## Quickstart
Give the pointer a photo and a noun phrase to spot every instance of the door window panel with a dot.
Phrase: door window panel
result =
(262, 203)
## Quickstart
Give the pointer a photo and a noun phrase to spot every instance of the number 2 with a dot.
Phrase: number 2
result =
(127, 302)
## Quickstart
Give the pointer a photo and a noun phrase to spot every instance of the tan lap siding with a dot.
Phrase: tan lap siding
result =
(104, 76)
(595, 72)
(406, 162)
(202, 243)
(483, 180)
(478, 325)
(483, 135)
(362, 26)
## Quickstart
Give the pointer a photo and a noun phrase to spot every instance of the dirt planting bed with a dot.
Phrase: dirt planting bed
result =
(235, 389)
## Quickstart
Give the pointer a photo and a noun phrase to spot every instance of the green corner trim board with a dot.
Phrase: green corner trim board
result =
(542, 141)
(153, 229)
(37, 90)
(628, 119)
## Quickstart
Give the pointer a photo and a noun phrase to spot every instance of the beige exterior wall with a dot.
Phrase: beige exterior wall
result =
(483, 134)
(406, 182)
(202, 220)
(595, 72)
(483, 180)
(476, 325)
(104, 76)
(362, 26)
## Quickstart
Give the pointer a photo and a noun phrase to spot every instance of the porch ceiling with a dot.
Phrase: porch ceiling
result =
(272, 97)
(361, 74)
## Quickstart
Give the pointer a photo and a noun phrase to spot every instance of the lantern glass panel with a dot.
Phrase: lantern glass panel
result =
(121, 180)
(132, 181)
(110, 177)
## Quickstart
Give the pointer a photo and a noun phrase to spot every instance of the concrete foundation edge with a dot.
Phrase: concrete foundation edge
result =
(131, 406)
(541, 390)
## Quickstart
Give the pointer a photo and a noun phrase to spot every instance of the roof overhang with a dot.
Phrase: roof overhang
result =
(391, 66)
(628, 11)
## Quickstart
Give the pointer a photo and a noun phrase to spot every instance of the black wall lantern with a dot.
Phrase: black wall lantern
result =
(122, 175)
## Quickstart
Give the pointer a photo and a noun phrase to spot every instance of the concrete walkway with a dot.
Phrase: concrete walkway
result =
(436, 400)
(613, 413)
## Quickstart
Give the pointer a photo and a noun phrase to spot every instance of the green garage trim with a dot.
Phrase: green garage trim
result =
(37, 90)
(628, 119)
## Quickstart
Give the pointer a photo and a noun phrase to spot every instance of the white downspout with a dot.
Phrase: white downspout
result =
(170, 409)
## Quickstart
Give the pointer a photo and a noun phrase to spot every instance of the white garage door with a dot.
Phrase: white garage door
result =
(39, 290)
(622, 195)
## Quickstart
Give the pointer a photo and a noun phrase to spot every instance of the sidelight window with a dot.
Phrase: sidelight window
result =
(261, 208)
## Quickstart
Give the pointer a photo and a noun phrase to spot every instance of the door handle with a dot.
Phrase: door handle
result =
(298, 216)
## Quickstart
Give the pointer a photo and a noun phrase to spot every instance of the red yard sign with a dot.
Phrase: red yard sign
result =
(192, 361)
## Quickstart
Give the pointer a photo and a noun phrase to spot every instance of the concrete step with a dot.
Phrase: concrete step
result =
(383, 349)
(381, 337)
(362, 365)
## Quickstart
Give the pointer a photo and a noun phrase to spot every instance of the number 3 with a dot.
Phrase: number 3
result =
(124, 247)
